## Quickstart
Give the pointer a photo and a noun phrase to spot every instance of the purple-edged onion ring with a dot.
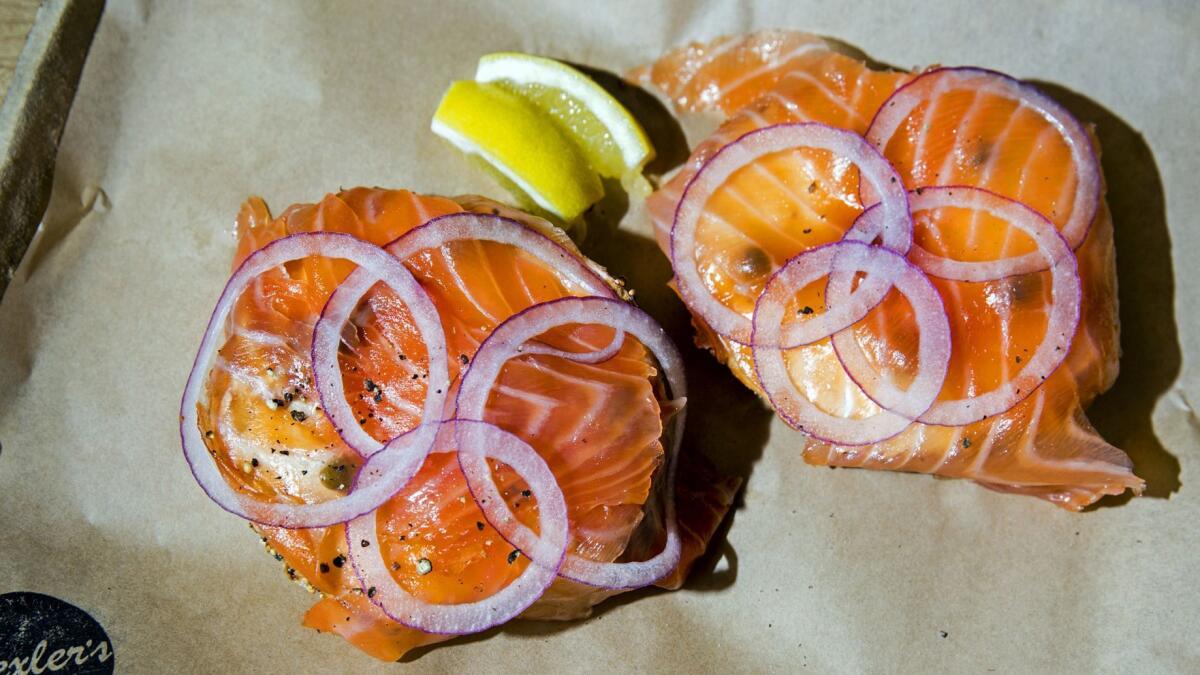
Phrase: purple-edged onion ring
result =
(433, 234)
(933, 83)
(510, 340)
(848, 258)
(389, 468)
(375, 575)
(875, 171)
(1053, 253)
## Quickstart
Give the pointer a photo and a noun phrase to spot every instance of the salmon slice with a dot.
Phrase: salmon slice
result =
(790, 202)
(599, 427)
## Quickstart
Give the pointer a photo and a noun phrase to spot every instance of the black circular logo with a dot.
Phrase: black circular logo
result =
(41, 634)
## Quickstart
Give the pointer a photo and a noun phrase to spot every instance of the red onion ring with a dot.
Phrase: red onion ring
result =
(376, 578)
(1067, 294)
(383, 474)
(435, 233)
(486, 227)
(327, 372)
(509, 341)
(904, 100)
(873, 168)
(846, 258)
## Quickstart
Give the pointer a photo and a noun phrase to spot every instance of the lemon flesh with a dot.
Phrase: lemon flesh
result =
(608, 136)
(522, 144)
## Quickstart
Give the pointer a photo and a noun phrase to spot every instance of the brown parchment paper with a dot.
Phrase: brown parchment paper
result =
(187, 107)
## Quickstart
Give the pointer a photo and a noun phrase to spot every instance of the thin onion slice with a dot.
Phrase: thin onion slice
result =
(847, 258)
(375, 574)
(874, 170)
(383, 474)
(935, 82)
(508, 341)
(1054, 253)
(327, 336)
(434, 234)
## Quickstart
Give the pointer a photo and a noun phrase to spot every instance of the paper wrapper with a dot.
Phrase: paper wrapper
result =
(186, 109)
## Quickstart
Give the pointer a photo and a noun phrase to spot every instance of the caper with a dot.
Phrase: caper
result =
(338, 476)
(751, 264)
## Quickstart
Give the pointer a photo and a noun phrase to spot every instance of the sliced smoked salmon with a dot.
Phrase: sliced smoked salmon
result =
(603, 429)
(1009, 150)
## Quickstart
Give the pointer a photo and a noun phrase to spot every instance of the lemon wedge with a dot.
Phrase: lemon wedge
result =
(610, 138)
(522, 144)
